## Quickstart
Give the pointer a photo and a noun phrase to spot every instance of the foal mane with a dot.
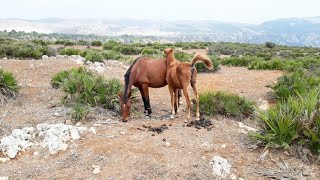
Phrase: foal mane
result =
(127, 80)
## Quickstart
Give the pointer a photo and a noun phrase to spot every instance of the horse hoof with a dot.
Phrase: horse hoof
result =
(197, 118)
(172, 117)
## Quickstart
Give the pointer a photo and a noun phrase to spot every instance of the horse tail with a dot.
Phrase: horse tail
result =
(198, 57)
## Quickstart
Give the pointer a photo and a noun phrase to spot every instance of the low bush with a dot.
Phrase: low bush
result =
(149, 51)
(128, 50)
(215, 62)
(96, 43)
(69, 51)
(83, 87)
(110, 44)
(212, 103)
(8, 86)
(22, 50)
(111, 55)
(183, 57)
(237, 61)
(295, 120)
(94, 56)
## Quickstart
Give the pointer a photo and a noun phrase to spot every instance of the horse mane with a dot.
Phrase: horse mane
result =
(127, 80)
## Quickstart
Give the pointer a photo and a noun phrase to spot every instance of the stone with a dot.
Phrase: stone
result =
(100, 69)
(223, 146)
(220, 167)
(36, 153)
(4, 178)
(122, 133)
(168, 144)
(19, 140)
(263, 105)
(96, 169)
(68, 122)
(233, 177)
(93, 130)
(45, 57)
(5, 58)
(3, 160)
(56, 114)
(78, 124)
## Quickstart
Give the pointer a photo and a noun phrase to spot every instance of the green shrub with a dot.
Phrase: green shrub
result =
(149, 51)
(237, 61)
(79, 112)
(94, 56)
(270, 44)
(69, 43)
(22, 50)
(69, 51)
(128, 50)
(292, 121)
(215, 62)
(96, 43)
(83, 87)
(114, 55)
(212, 103)
(110, 44)
(8, 86)
(184, 57)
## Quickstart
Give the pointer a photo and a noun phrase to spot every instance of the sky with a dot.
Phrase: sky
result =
(242, 11)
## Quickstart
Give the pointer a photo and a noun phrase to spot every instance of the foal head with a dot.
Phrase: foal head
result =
(170, 56)
(125, 105)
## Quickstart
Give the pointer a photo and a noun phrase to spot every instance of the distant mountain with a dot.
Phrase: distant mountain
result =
(289, 31)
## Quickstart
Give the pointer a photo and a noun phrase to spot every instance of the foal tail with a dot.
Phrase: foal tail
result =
(203, 58)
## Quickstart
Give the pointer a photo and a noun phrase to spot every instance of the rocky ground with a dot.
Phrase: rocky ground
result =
(119, 150)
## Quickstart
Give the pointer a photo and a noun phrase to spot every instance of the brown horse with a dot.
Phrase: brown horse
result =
(180, 75)
(143, 73)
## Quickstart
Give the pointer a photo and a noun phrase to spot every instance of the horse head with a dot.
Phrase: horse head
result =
(125, 105)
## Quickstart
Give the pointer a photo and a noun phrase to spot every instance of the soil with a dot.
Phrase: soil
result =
(130, 151)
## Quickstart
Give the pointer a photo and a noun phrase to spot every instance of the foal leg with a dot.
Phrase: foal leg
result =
(176, 101)
(196, 95)
(145, 88)
(186, 95)
(171, 90)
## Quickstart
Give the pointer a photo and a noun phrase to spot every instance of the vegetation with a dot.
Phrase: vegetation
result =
(84, 88)
(69, 51)
(96, 43)
(8, 86)
(212, 103)
(94, 56)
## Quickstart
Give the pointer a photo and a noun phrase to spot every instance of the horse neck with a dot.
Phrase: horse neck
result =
(170, 59)
(128, 86)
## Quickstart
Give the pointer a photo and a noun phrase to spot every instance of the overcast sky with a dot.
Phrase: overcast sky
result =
(244, 11)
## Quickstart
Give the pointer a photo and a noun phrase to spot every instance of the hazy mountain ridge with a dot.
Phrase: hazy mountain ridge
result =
(290, 31)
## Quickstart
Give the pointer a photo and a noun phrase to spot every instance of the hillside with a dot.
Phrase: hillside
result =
(290, 31)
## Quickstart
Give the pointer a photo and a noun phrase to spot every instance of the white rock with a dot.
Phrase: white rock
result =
(223, 146)
(96, 169)
(56, 114)
(5, 58)
(98, 64)
(74, 134)
(45, 57)
(93, 130)
(247, 128)
(36, 153)
(31, 66)
(233, 177)
(220, 167)
(263, 105)
(4, 178)
(19, 140)
(168, 144)
(100, 69)
(122, 133)
(78, 124)
(3, 160)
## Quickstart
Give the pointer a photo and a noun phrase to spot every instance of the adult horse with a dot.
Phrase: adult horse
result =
(143, 73)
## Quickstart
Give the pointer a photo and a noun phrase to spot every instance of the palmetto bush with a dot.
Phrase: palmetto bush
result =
(84, 88)
(8, 86)
(295, 120)
(212, 103)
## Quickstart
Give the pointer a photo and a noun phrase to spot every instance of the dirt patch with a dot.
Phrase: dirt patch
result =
(121, 149)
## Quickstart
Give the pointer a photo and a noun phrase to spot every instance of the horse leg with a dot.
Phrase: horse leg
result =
(176, 101)
(171, 90)
(186, 95)
(145, 88)
(196, 95)
(144, 100)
